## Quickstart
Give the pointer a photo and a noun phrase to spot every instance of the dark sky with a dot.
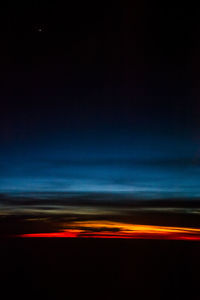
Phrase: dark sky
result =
(100, 99)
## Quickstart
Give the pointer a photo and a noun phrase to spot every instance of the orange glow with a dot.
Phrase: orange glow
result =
(108, 229)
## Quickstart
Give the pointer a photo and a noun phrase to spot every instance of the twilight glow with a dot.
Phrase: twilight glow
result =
(108, 229)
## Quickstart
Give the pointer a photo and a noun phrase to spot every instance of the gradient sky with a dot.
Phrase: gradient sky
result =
(148, 170)
(101, 102)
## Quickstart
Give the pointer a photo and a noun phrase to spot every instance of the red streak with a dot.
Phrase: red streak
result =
(112, 235)
(62, 234)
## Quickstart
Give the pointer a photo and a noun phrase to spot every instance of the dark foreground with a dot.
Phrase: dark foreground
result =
(99, 269)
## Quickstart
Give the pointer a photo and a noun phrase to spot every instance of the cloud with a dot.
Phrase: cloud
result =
(98, 198)
(111, 229)
(47, 212)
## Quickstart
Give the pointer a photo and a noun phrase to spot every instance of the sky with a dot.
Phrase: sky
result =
(99, 102)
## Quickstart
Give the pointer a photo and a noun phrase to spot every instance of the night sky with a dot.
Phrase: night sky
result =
(99, 102)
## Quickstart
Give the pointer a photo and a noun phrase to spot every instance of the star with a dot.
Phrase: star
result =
(40, 28)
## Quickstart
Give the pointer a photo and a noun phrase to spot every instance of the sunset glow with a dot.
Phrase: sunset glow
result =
(107, 229)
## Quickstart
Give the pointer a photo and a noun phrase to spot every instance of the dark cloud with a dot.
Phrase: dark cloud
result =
(51, 200)
(37, 219)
